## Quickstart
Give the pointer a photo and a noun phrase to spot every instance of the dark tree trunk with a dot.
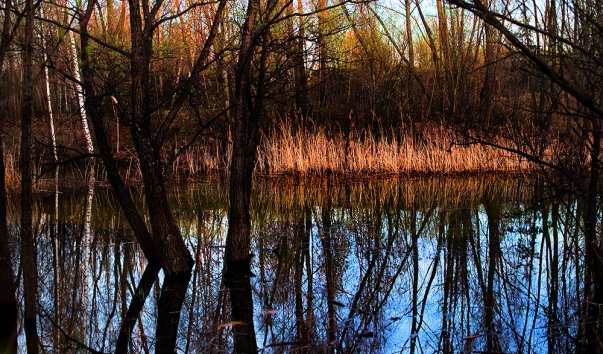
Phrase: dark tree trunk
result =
(594, 251)
(238, 238)
(322, 56)
(165, 245)
(28, 246)
(301, 79)
(238, 257)
(8, 302)
(175, 257)
(489, 83)
(247, 113)
(94, 107)
(415, 281)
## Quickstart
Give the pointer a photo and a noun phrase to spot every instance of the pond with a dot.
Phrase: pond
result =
(421, 265)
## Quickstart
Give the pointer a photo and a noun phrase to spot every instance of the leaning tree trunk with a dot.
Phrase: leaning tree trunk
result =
(175, 256)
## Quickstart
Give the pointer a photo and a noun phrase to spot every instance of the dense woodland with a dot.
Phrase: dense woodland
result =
(180, 88)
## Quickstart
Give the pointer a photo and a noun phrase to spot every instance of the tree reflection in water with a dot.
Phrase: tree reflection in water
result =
(419, 266)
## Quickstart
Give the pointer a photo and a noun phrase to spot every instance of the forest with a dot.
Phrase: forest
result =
(124, 104)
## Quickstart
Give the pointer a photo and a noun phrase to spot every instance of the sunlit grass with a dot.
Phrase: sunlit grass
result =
(319, 152)
(11, 168)
(437, 152)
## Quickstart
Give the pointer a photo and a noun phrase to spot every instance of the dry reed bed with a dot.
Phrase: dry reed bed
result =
(307, 153)
(11, 170)
(322, 152)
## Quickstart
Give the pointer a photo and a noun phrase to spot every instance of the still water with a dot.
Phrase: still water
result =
(419, 266)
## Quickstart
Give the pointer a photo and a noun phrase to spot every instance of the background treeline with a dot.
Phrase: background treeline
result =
(363, 70)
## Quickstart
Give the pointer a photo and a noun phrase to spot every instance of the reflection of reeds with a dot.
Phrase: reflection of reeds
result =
(449, 192)
(319, 152)
(288, 194)
(283, 197)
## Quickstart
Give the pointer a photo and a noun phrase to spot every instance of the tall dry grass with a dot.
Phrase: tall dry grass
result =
(437, 152)
(320, 152)
(12, 175)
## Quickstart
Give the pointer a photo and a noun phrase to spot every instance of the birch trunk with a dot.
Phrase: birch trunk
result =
(55, 221)
(80, 94)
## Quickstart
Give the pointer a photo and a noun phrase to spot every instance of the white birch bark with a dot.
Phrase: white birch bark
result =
(55, 226)
(90, 179)
(80, 93)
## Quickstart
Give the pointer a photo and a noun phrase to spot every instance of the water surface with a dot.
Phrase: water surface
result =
(439, 265)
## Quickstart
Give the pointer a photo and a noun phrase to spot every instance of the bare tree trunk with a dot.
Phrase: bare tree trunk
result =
(489, 75)
(246, 116)
(166, 246)
(299, 67)
(87, 241)
(79, 90)
(28, 244)
(594, 260)
(55, 222)
(177, 258)
(410, 109)
(322, 54)
(8, 301)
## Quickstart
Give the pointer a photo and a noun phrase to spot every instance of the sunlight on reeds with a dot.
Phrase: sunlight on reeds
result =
(437, 152)
(11, 166)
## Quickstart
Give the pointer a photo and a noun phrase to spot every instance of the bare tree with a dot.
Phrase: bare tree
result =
(28, 242)
(8, 300)
(581, 64)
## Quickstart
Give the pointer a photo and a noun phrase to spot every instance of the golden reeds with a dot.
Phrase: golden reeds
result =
(11, 165)
(320, 152)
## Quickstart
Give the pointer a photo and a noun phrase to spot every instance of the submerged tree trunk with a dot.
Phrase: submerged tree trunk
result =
(55, 221)
(594, 250)
(8, 301)
(175, 255)
(245, 139)
(28, 244)
(165, 246)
